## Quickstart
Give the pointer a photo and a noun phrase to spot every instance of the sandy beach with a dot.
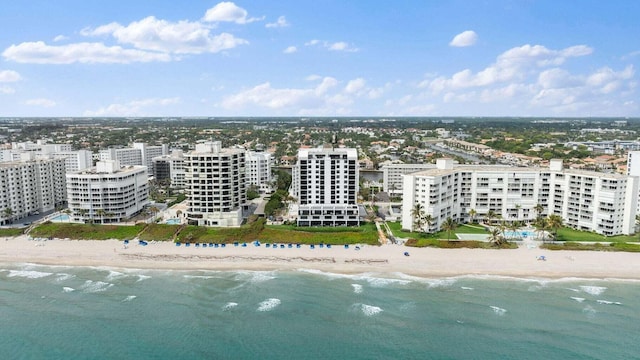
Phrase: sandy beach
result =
(387, 259)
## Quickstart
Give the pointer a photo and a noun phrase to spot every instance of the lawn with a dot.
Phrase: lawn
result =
(159, 232)
(8, 232)
(569, 234)
(615, 246)
(396, 229)
(86, 231)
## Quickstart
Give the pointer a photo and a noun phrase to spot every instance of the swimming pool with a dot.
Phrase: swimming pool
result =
(173, 221)
(519, 234)
(60, 218)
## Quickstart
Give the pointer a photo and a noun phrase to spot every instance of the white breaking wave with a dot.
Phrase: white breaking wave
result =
(578, 299)
(115, 275)
(129, 298)
(593, 290)
(607, 302)
(29, 274)
(95, 286)
(143, 277)
(466, 288)
(229, 306)
(498, 310)
(64, 276)
(68, 289)
(370, 310)
(357, 288)
(255, 276)
(268, 304)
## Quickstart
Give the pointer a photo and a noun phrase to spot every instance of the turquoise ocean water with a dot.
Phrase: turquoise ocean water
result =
(94, 313)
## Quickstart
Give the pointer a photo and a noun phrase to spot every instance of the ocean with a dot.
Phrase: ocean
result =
(99, 313)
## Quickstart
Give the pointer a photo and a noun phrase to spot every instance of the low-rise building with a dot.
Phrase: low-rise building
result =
(107, 193)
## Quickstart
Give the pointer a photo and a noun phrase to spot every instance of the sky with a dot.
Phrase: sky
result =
(557, 58)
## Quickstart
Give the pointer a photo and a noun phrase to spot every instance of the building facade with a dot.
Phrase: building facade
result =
(140, 154)
(170, 168)
(259, 170)
(30, 186)
(107, 193)
(591, 201)
(392, 176)
(215, 185)
(325, 182)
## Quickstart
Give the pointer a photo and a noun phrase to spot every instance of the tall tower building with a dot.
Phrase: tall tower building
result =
(215, 185)
(325, 182)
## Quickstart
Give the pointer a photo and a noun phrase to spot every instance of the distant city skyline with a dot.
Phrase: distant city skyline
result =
(329, 58)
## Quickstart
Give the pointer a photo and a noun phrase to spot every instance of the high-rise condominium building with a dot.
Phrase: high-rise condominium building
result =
(170, 168)
(325, 182)
(259, 170)
(215, 184)
(139, 154)
(591, 201)
(30, 186)
(107, 193)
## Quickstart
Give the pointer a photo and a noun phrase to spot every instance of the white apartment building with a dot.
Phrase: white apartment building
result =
(29, 186)
(74, 160)
(591, 201)
(140, 154)
(107, 193)
(633, 169)
(215, 184)
(392, 176)
(170, 168)
(259, 170)
(325, 182)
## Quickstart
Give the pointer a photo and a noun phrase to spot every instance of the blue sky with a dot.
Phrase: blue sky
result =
(319, 58)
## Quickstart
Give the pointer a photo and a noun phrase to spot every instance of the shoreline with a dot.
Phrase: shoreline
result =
(385, 259)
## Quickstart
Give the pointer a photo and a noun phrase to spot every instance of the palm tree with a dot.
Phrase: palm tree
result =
(428, 220)
(449, 225)
(495, 237)
(539, 208)
(417, 213)
(541, 226)
(101, 213)
(489, 216)
(555, 222)
(472, 214)
(513, 227)
(154, 210)
(8, 213)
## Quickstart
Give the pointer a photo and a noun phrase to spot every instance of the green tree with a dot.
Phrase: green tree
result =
(8, 214)
(101, 213)
(428, 221)
(555, 222)
(472, 214)
(417, 213)
(495, 237)
(449, 225)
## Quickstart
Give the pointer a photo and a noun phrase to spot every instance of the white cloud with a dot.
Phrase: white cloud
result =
(355, 86)
(7, 90)
(465, 38)
(515, 64)
(290, 50)
(40, 53)
(281, 22)
(264, 95)
(313, 77)
(133, 108)
(60, 38)
(40, 102)
(228, 12)
(335, 46)
(182, 37)
(9, 76)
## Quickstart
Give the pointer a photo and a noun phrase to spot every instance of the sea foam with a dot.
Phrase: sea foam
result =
(230, 305)
(90, 286)
(578, 299)
(268, 304)
(357, 288)
(593, 290)
(68, 289)
(370, 310)
(498, 310)
(29, 274)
